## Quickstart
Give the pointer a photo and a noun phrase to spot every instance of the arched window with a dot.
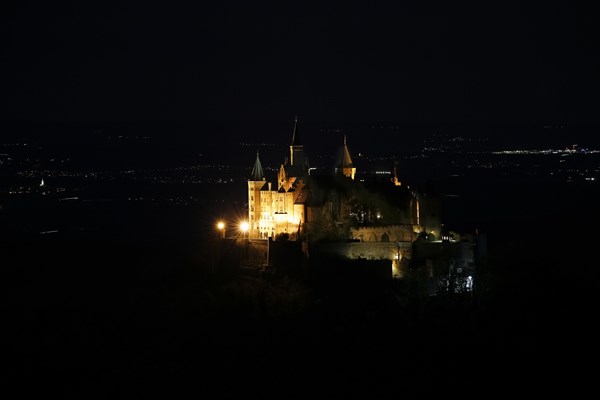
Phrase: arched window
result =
(385, 237)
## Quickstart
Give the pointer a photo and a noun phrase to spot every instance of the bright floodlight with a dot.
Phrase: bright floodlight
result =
(221, 225)
(244, 226)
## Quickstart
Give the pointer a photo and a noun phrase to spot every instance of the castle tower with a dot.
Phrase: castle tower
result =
(255, 184)
(298, 160)
(345, 166)
(394, 178)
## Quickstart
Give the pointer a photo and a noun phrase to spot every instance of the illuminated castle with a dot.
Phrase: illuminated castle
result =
(376, 219)
(335, 206)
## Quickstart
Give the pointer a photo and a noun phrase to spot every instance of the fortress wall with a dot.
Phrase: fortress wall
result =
(393, 233)
(368, 250)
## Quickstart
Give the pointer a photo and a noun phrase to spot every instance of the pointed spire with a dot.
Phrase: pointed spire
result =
(295, 139)
(345, 166)
(345, 160)
(257, 172)
(394, 178)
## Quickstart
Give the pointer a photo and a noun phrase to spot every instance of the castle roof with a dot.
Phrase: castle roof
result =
(302, 196)
(345, 161)
(257, 172)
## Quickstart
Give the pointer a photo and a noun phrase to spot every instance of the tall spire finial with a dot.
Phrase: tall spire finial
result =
(394, 178)
(344, 139)
(295, 140)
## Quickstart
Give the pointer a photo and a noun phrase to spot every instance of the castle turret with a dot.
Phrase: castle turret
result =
(298, 162)
(255, 184)
(345, 166)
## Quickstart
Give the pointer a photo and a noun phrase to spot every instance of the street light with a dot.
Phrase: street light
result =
(244, 227)
(221, 228)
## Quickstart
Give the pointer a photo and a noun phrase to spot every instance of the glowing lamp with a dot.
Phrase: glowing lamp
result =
(221, 228)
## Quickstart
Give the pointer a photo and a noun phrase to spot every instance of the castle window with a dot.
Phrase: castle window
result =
(385, 237)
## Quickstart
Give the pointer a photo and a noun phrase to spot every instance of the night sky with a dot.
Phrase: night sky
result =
(411, 61)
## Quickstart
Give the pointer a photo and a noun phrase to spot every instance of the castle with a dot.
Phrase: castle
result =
(359, 220)
(338, 208)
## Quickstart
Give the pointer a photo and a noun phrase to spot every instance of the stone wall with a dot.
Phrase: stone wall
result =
(369, 251)
(398, 253)
(391, 233)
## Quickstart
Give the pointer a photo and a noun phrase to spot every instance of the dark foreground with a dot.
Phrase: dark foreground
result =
(89, 317)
